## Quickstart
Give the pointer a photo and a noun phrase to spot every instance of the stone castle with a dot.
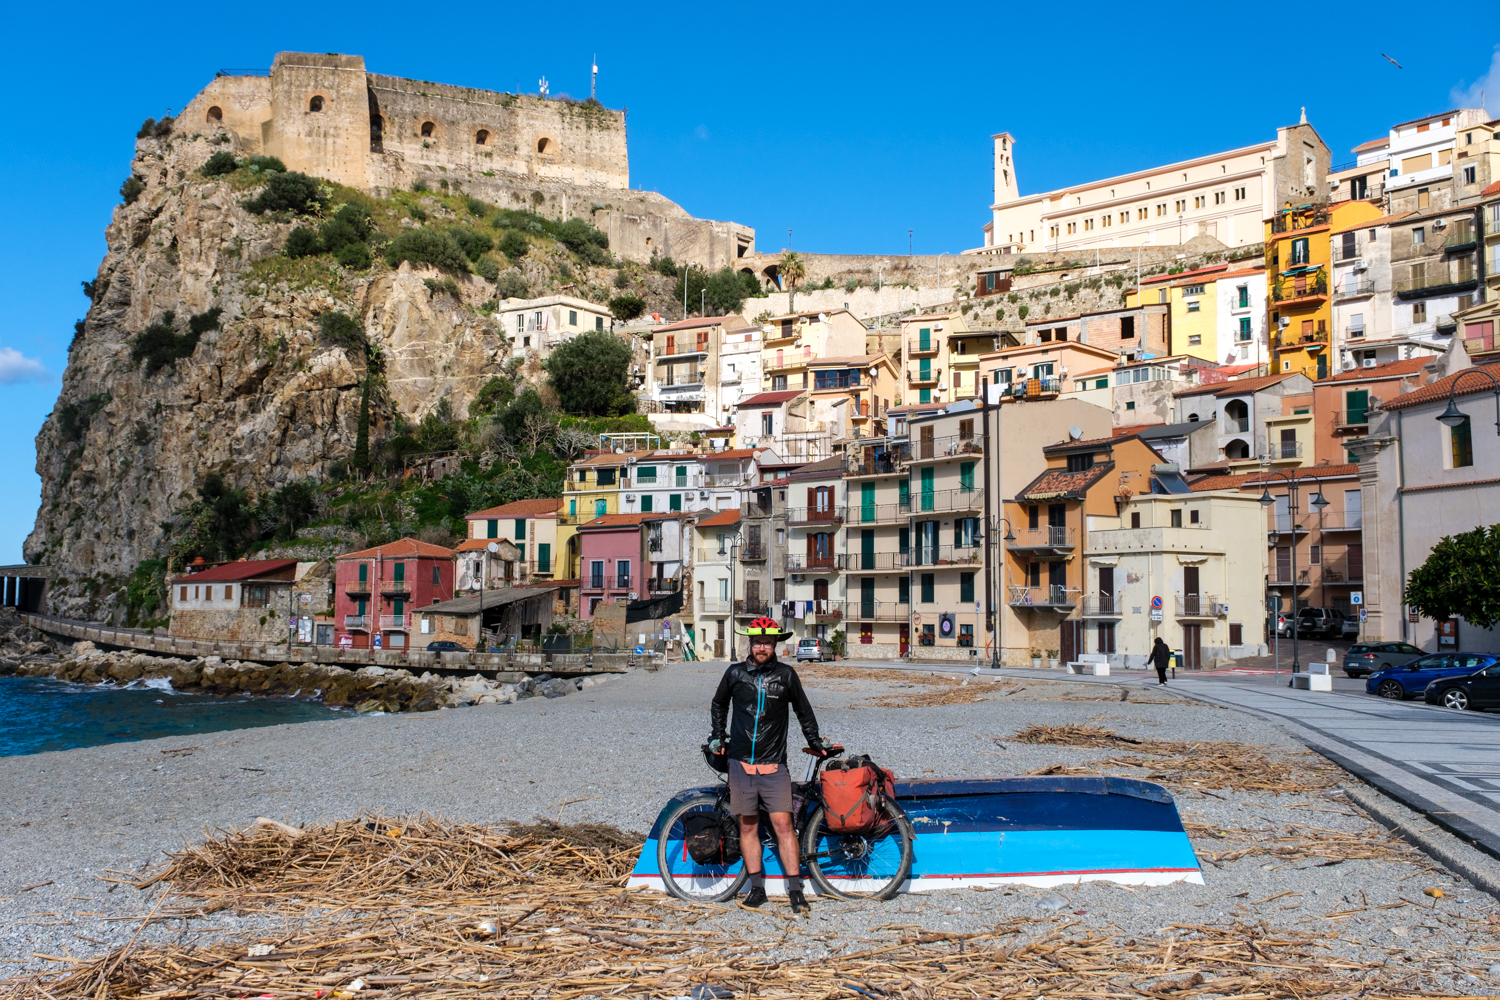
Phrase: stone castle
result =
(326, 116)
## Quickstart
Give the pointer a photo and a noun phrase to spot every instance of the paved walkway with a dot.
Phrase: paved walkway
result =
(1440, 762)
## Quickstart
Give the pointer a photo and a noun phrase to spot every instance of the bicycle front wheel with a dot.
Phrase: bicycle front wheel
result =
(684, 877)
(860, 866)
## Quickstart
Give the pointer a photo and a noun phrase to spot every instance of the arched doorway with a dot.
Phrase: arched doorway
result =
(215, 115)
(1237, 449)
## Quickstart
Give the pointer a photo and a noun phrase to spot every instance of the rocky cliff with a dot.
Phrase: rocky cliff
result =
(261, 399)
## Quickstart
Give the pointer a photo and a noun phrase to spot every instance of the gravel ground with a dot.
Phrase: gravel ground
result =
(616, 752)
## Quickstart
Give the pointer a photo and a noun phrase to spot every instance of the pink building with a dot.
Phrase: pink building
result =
(377, 588)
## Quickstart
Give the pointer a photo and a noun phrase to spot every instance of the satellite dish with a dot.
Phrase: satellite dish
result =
(1076, 433)
(493, 547)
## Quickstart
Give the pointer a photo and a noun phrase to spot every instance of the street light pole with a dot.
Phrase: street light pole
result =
(1316, 502)
(734, 545)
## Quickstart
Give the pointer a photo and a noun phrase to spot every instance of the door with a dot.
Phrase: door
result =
(1067, 641)
(1284, 565)
(1190, 590)
(752, 597)
(1057, 524)
(1106, 590)
(1192, 647)
(867, 503)
(1485, 687)
(905, 640)
(867, 597)
(1356, 404)
(925, 444)
(867, 549)
(1057, 582)
(928, 497)
(1289, 437)
(820, 596)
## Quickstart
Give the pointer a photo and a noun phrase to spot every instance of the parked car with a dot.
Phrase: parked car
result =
(1478, 690)
(1351, 627)
(1313, 621)
(1367, 657)
(1411, 679)
(1284, 625)
(444, 646)
(814, 649)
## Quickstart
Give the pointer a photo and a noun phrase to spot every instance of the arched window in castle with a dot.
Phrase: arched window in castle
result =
(481, 137)
(316, 104)
(544, 145)
(215, 114)
(427, 129)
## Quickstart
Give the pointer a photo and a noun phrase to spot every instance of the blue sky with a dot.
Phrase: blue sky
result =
(848, 125)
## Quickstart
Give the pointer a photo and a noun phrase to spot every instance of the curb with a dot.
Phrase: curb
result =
(1474, 865)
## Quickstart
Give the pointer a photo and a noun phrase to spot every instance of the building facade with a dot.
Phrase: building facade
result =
(539, 326)
(377, 588)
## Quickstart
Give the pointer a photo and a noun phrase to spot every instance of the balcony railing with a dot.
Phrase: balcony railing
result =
(596, 581)
(871, 561)
(1279, 451)
(886, 461)
(876, 513)
(752, 553)
(1102, 606)
(1459, 238)
(395, 623)
(712, 554)
(876, 611)
(826, 610)
(1032, 388)
(1339, 520)
(1348, 287)
(751, 609)
(713, 606)
(357, 623)
(1343, 570)
(623, 582)
(1053, 596)
(917, 348)
(801, 562)
(1462, 277)
(1291, 221)
(947, 500)
(947, 446)
(1344, 255)
(1048, 536)
(400, 589)
(944, 555)
(1286, 340)
(1303, 286)
(918, 378)
(1281, 577)
(663, 585)
(357, 587)
(1198, 606)
(1344, 419)
(830, 515)
(1355, 333)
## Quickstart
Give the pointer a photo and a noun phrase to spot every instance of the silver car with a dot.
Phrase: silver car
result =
(814, 649)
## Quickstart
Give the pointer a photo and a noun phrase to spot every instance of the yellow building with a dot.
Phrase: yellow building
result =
(1297, 276)
(592, 489)
(789, 342)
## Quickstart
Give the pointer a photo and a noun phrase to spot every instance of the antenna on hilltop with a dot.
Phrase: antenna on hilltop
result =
(541, 86)
(594, 80)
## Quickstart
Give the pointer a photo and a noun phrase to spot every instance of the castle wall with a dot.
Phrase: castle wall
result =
(239, 103)
(329, 142)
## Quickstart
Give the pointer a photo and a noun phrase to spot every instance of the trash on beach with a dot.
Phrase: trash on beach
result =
(1434, 893)
(278, 826)
(384, 831)
(487, 927)
(257, 950)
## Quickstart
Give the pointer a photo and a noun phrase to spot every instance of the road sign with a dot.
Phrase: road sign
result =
(375, 640)
(1363, 616)
(1413, 617)
(1357, 597)
(305, 598)
(346, 641)
(1156, 604)
(1156, 614)
(639, 650)
(1273, 603)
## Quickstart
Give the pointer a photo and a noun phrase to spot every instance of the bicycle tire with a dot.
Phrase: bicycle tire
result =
(681, 875)
(857, 866)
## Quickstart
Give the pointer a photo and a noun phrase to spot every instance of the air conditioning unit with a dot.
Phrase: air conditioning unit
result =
(630, 498)
(937, 326)
(1369, 362)
(796, 578)
(942, 387)
(703, 494)
(1221, 610)
(1349, 366)
(1361, 264)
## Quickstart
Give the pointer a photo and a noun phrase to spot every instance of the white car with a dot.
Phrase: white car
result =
(814, 649)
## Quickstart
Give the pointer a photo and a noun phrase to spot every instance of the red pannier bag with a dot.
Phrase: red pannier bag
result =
(852, 790)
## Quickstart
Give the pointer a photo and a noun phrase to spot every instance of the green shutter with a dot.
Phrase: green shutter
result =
(544, 557)
(1357, 403)
(400, 572)
(492, 528)
(924, 340)
(924, 395)
(364, 573)
(966, 476)
(927, 491)
(674, 502)
(520, 528)
(646, 503)
(966, 587)
(867, 502)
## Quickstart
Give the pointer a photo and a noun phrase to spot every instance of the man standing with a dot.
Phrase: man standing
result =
(761, 689)
(1161, 658)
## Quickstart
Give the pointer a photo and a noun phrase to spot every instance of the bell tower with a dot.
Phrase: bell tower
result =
(1006, 190)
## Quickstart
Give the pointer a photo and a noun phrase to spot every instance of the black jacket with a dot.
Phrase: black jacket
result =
(761, 696)
(1161, 656)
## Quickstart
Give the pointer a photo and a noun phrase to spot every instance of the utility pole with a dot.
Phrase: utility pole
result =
(594, 80)
(908, 243)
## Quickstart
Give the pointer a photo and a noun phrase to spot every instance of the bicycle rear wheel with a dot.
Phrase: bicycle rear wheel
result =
(860, 866)
(684, 877)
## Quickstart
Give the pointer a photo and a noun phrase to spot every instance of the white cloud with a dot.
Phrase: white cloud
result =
(1483, 92)
(17, 367)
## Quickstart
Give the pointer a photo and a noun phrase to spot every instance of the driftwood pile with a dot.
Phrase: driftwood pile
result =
(387, 907)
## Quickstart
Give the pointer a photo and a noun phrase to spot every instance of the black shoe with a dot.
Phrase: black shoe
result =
(755, 897)
(798, 901)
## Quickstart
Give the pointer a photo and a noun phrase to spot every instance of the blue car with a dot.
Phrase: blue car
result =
(1410, 680)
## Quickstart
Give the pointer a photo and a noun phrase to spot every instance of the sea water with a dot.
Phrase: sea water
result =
(38, 714)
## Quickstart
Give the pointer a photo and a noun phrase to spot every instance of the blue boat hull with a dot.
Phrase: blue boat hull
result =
(1040, 831)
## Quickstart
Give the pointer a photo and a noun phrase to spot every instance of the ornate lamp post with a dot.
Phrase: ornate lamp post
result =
(994, 527)
(734, 546)
(1318, 503)
(1453, 416)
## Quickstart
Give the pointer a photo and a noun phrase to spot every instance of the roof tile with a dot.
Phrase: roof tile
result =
(402, 547)
(243, 570)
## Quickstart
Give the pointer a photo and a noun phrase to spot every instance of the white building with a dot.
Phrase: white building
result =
(667, 481)
(1225, 196)
(542, 324)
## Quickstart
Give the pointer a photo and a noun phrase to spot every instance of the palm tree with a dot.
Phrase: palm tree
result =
(792, 271)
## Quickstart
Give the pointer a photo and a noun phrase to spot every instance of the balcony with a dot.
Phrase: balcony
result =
(876, 611)
(1056, 538)
(803, 563)
(885, 461)
(1344, 255)
(1341, 520)
(1236, 425)
(1102, 606)
(1055, 597)
(1430, 284)
(1043, 387)
(866, 562)
(677, 353)
(1281, 523)
(680, 392)
(396, 589)
(1344, 420)
(752, 553)
(1199, 606)
(877, 513)
(654, 543)
(942, 501)
(919, 378)
(1310, 342)
(1283, 451)
(713, 606)
(826, 612)
(1281, 576)
(395, 623)
(1295, 219)
(751, 609)
(711, 554)
(357, 587)
(804, 516)
(1351, 287)
(357, 623)
(922, 349)
(662, 586)
(596, 582)
(1459, 238)
(1344, 571)
(944, 555)
(1304, 287)
(947, 446)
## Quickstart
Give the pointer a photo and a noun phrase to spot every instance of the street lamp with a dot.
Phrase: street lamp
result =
(1455, 417)
(993, 527)
(484, 565)
(734, 545)
(1317, 502)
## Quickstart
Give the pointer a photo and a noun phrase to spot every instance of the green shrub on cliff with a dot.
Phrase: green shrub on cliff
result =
(590, 244)
(159, 345)
(153, 129)
(424, 246)
(287, 192)
(496, 394)
(627, 307)
(512, 285)
(219, 164)
(355, 256)
(132, 189)
(344, 331)
(146, 594)
(259, 164)
(302, 242)
(487, 268)
(513, 244)
(471, 241)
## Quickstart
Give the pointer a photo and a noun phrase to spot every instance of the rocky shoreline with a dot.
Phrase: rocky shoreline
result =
(25, 652)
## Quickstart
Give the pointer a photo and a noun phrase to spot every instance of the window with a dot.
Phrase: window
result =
(966, 636)
(228, 593)
(1088, 224)
(315, 105)
(1080, 463)
(427, 129)
(966, 476)
(903, 590)
(599, 325)
(645, 474)
(1300, 253)
(929, 587)
(1419, 312)
(1239, 194)
(1195, 339)
(1219, 198)
(1200, 201)
(1315, 554)
(1193, 307)
(1193, 516)
(1236, 634)
(437, 576)
(572, 317)
(606, 477)
(1245, 332)
(596, 576)
(647, 503)
(966, 587)
(520, 529)
(1181, 205)
(1105, 221)
(1423, 201)
(1142, 213)
(1135, 519)
(1419, 236)
(622, 574)
(1072, 228)
(674, 501)
(1193, 290)
(1161, 209)
(1053, 231)
(258, 595)
(543, 558)
(1469, 173)
(183, 595)
(1106, 633)
(1130, 404)
(1176, 517)
(1462, 445)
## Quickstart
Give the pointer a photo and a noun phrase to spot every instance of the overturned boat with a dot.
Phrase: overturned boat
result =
(1039, 831)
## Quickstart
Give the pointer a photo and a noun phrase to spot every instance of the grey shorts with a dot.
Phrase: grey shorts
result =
(748, 792)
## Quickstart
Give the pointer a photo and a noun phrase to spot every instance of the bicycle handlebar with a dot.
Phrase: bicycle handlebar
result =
(834, 750)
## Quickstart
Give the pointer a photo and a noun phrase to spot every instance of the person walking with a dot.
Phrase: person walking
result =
(1161, 658)
(761, 690)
